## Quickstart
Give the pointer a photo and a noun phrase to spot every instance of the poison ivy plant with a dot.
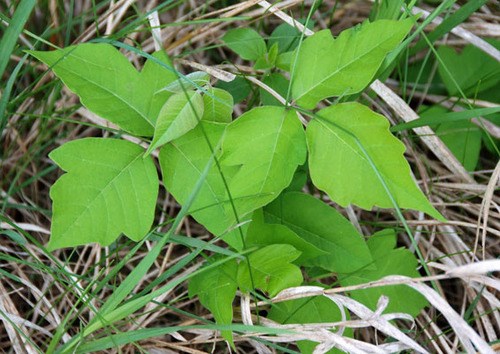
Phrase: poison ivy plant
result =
(248, 172)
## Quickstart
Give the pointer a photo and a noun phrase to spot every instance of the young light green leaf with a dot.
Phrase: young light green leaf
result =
(344, 141)
(188, 82)
(109, 85)
(266, 144)
(216, 289)
(271, 269)
(260, 233)
(328, 67)
(218, 106)
(388, 261)
(345, 248)
(245, 42)
(108, 189)
(179, 114)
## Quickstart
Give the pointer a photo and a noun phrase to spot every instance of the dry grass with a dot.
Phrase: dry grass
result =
(41, 293)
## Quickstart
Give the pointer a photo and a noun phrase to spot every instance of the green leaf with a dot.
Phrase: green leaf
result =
(188, 82)
(260, 233)
(271, 270)
(239, 88)
(245, 42)
(260, 153)
(109, 85)
(266, 144)
(438, 116)
(318, 309)
(328, 67)
(473, 70)
(108, 189)
(462, 137)
(340, 140)
(152, 78)
(216, 289)
(179, 114)
(182, 163)
(218, 106)
(345, 247)
(388, 261)
(279, 84)
(287, 37)
(268, 60)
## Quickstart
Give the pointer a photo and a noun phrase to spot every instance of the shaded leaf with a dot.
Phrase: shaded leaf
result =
(322, 226)
(108, 189)
(472, 69)
(239, 88)
(316, 309)
(260, 233)
(279, 84)
(328, 67)
(341, 168)
(216, 289)
(388, 261)
(245, 42)
(271, 270)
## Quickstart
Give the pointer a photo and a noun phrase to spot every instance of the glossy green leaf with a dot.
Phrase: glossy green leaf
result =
(179, 114)
(328, 67)
(318, 309)
(109, 188)
(218, 106)
(271, 270)
(388, 261)
(322, 226)
(109, 85)
(343, 141)
(216, 289)
(472, 69)
(261, 234)
(265, 144)
(245, 42)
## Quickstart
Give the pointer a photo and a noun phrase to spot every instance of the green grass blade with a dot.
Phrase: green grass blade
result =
(445, 118)
(12, 32)
(449, 23)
